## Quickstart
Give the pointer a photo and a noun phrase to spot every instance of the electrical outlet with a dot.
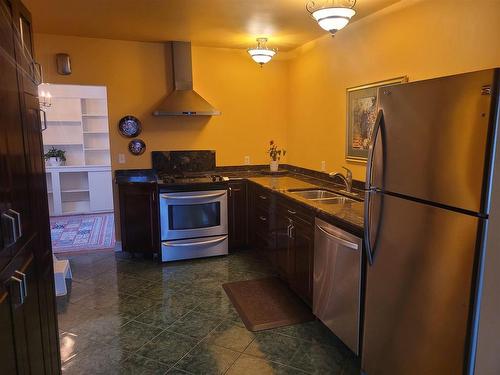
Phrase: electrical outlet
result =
(323, 166)
(247, 160)
(121, 158)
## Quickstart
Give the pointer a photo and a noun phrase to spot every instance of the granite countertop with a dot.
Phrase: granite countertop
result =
(349, 213)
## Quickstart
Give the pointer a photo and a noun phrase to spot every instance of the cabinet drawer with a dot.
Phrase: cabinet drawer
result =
(262, 201)
(295, 213)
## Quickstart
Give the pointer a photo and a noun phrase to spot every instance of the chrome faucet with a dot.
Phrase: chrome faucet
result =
(347, 179)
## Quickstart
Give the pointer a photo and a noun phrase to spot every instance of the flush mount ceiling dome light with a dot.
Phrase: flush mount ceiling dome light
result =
(332, 15)
(261, 54)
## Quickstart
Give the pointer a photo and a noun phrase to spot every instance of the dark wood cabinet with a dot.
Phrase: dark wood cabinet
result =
(237, 211)
(28, 334)
(261, 221)
(139, 218)
(301, 259)
(283, 232)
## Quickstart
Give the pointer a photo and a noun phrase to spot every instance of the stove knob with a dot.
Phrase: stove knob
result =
(214, 178)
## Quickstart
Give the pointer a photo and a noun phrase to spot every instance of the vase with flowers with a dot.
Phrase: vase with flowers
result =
(275, 154)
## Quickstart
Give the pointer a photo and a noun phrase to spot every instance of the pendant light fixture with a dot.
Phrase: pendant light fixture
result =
(332, 15)
(261, 54)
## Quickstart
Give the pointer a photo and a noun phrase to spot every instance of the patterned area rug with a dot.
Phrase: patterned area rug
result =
(82, 232)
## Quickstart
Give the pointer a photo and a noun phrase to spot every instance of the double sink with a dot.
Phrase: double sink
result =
(322, 196)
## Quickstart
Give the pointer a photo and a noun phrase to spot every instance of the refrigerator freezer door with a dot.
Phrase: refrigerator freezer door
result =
(418, 289)
(433, 143)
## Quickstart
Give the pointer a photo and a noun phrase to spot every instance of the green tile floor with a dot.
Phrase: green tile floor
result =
(125, 316)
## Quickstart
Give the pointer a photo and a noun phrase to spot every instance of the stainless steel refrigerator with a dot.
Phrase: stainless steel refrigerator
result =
(427, 208)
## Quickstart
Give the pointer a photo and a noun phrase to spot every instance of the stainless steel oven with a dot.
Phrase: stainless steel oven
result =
(193, 224)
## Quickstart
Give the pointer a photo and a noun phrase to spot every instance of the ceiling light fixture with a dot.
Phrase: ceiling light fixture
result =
(261, 54)
(333, 15)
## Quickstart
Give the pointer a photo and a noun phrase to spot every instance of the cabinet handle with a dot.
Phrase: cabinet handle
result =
(19, 224)
(262, 197)
(11, 237)
(263, 218)
(292, 212)
(44, 119)
(21, 288)
(24, 284)
(290, 231)
(230, 189)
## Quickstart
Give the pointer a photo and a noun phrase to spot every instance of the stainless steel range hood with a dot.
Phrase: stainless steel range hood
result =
(183, 100)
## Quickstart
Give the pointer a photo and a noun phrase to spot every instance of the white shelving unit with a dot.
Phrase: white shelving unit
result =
(77, 122)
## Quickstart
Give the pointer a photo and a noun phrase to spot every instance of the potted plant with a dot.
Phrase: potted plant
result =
(55, 157)
(275, 153)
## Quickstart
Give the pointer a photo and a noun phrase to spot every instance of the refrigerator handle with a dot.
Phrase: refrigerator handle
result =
(367, 239)
(370, 189)
(369, 165)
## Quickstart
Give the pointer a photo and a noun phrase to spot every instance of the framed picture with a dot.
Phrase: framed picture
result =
(361, 116)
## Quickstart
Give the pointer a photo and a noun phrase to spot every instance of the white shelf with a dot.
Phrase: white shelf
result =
(76, 207)
(79, 125)
(75, 191)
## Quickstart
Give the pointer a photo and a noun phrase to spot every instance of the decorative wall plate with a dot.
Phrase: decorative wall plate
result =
(137, 147)
(129, 126)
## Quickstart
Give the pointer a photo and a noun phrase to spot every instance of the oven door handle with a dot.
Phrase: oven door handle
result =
(194, 243)
(184, 197)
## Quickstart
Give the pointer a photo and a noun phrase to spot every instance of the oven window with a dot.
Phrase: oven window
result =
(194, 216)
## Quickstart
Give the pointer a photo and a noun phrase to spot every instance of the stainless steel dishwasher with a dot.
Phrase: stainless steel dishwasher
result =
(337, 281)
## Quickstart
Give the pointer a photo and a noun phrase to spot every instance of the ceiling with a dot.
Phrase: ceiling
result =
(217, 23)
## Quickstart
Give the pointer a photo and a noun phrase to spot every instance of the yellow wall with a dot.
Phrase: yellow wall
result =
(421, 39)
(252, 100)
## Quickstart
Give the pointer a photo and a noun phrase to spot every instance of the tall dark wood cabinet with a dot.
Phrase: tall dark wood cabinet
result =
(139, 218)
(28, 320)
(237, 214)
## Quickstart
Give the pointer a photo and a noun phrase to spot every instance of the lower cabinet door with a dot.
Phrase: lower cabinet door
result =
(139, 218)
(101, 191)
(21, 285)
(301, 257)
(8, 358)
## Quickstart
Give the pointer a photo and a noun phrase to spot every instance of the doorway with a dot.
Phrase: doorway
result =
(78, 167)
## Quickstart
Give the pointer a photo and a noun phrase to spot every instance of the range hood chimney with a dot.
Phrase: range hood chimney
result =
(183, 100)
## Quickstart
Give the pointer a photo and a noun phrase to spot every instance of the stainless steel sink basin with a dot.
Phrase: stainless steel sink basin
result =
(315, 194)
(336, 200)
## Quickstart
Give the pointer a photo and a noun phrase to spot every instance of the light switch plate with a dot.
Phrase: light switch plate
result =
(323, 166)
(247, 160)
(121, 158)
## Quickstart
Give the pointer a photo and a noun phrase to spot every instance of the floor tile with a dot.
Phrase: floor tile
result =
(139, 365)
(71, 344)
(217, 306)
(318, 359)
(274, 347)
(133, 335)
(231, 336)
(101, 359)
(133, 316)
(207, 359)
(195, 325)
(248, 365)
(163, 314)
(313, 331)
(167, 348)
